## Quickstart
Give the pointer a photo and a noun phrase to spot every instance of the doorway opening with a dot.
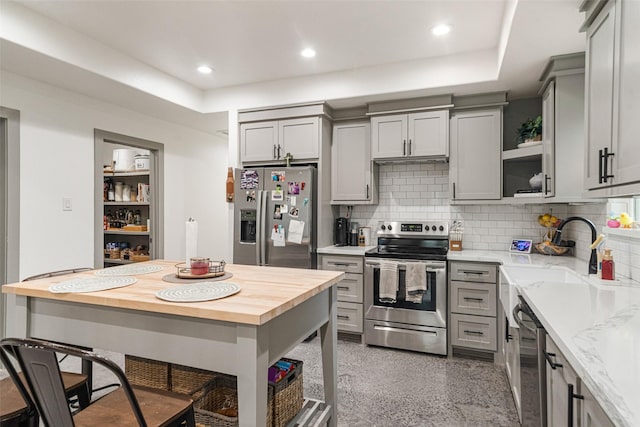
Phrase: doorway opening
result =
(9, 203)
(128, 184)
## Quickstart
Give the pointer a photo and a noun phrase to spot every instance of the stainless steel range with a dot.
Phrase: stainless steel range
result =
(402, 308)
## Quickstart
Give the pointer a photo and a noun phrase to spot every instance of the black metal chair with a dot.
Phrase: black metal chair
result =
(126, 406)
(16, 407)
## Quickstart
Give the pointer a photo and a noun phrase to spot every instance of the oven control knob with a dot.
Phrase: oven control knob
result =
(434, 228)
(384, 227)
(426, 228)
(441, 228)
(389, 227)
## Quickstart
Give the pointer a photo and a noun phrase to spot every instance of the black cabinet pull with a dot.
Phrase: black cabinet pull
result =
(474, 332)
(507, 335)
(341, 316)
(278, 150)
(473, 299)
(367, 192)
(409, 147)
(606, 156)
(571, 396)
(404, 147)
(553, 364)
(547, 178)
(342, 288)
(600, 168)
(454, 190)
(274, 151)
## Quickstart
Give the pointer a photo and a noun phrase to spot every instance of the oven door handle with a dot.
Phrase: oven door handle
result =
(401, 266)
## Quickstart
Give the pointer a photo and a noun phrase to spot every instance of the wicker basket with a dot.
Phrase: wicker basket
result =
(222, 392)
(287, 395)
(187, 380)
(147, 372)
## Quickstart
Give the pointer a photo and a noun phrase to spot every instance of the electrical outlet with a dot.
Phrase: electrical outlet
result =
(66, 204)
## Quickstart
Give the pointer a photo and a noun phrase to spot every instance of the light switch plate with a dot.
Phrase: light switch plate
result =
(66, 204)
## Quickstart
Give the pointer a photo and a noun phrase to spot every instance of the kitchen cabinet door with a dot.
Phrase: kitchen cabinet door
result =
(591, 414)
(299, 137)
(428, 134)
(512, 364)
(625, 164)
(389, 136)
(599, 72)
(548, 140)
(351, 166)
(475, 161)
(258, 141)
(560, 376)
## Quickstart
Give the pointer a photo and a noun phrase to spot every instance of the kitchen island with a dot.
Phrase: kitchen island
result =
(241, 335)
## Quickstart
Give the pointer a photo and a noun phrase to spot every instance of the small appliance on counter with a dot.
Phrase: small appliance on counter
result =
(341, 232)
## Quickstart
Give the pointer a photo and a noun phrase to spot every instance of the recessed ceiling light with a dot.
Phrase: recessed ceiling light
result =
(308, 53)
(205, 69)
(441, 30)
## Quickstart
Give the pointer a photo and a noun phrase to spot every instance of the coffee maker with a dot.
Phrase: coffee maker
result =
(341, 232)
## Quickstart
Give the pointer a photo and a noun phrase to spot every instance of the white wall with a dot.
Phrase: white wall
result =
(56, 161)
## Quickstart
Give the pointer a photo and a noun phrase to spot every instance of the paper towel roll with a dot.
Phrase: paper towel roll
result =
(191, 240)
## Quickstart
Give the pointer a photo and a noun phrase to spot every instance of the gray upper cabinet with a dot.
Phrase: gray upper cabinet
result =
(424, 134)
(475, 162)
(612, 88)
(563, 128)
(548, 141)
(258, 141)
(353, 180)
(272, 140)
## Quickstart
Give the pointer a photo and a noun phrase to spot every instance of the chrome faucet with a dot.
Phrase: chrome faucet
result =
(593, 261)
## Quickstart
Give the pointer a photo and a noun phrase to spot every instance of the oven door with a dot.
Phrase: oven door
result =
(431, 311)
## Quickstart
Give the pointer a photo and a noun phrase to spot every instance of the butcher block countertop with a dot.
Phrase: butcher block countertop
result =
(265, 292)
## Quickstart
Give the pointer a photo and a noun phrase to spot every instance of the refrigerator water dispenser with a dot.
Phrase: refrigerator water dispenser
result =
(248, 226)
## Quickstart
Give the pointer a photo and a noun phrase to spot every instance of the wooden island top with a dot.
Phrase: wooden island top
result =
(265, 292)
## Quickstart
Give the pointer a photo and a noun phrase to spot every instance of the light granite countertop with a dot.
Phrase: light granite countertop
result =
(595, 323)
(344, 250)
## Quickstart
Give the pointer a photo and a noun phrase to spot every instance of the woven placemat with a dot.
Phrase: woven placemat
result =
(171, 278)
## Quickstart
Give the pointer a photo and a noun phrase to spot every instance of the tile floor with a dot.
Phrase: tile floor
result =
(393, 388)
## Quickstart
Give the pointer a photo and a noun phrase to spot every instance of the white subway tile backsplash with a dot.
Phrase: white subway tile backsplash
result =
(420, 191)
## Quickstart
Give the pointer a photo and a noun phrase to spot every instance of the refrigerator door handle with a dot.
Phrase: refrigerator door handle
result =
(263, 234)
(258, 226)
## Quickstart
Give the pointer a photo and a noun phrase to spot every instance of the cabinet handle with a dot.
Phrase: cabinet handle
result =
(553, 364)
(278, 151)
(367, 192)
(474, 272)
(606, 156)
(342, 264)
(404, 147)
(600, 178)
(343, 288)
(342, 316)
(473, 299)
(473, 332)
(547, 178)
(454, 190)
(274, 151)
(507, 335)
(409, 147)
(571, 396)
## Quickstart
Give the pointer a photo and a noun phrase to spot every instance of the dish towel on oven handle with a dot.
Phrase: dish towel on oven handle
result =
(388, 291)
(416, 281)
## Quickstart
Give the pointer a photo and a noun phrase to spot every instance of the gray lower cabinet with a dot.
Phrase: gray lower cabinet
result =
(566, 393)
(350, 290)
(472, 306)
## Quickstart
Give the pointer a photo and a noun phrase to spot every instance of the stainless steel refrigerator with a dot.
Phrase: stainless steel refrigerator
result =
(274, 217)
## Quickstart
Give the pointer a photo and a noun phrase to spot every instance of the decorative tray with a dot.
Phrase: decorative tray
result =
(197, 292)
(184, 271)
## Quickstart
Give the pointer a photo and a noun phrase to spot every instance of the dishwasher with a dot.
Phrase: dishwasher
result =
(533, 373)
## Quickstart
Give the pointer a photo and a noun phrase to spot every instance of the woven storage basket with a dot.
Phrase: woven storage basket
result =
(287, 395)
(147, 372)
(185, 379)
(223, 389)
